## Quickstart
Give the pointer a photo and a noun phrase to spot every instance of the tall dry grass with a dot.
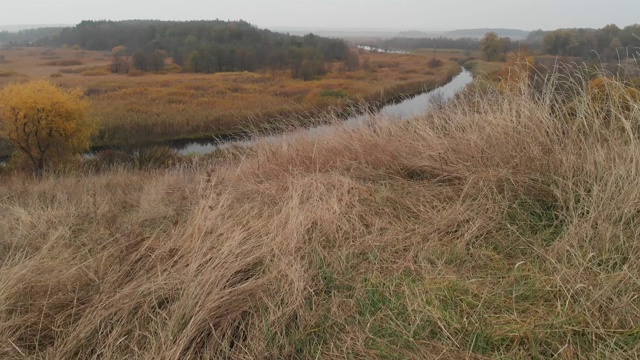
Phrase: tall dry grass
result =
(499, 226)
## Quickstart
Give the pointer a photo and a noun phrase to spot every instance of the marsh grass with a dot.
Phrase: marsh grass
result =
(175, 106)
(63, 62)
(494, 227)
(7, 73)
(139, 107)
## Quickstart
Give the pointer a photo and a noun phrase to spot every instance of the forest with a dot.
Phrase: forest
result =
(205, 46)
(608, 43)
(27, 36)
(432, 42)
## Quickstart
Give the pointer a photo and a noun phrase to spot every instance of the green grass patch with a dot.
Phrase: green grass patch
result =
(537, 219)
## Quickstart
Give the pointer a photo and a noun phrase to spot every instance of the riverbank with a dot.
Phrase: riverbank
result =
(488, 228)
(271, 126)
(401, 108)
(256, 102)
(156, 108)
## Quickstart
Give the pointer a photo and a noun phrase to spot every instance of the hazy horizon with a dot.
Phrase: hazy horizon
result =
(372, 15)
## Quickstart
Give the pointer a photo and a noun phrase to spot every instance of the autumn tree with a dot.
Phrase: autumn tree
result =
(120, 63)
(493, 47)
(44, 122)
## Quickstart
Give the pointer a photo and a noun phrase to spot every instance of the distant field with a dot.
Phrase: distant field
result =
(156, 107)
(40, 62)
(484, 68)
(446, 52)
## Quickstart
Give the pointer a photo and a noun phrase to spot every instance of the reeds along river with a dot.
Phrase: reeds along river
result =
(402, 110)
(405, 109)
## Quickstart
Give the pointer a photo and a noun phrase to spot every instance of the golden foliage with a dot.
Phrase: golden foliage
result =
(607, 99)
(605, 89)
(45, 122)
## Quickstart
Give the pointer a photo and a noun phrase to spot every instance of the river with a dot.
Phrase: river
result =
(403, 110)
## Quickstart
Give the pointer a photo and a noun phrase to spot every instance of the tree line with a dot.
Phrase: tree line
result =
(28, 36)
(206, 46)
(608, 43)
(430, 42)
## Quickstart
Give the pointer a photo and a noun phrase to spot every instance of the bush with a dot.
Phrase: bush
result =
(44, 122)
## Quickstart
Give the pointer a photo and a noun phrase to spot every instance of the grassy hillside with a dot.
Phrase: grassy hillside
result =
(496, 227)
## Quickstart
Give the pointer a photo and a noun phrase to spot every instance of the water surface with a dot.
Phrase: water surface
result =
(403, 110)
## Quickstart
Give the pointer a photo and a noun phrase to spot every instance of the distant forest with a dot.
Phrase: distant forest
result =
(28, 36)
(609, 43)
(217, 46)
(441, 42)
(514, 34)
(206, 46)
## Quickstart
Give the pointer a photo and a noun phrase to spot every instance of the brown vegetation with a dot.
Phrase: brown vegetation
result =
(157, 107)
(68, 62)
(488, 229)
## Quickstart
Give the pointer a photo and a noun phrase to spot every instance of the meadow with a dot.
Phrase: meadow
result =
(147, 107)
(497, 226)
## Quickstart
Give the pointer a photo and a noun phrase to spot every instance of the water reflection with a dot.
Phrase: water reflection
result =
(386, 51)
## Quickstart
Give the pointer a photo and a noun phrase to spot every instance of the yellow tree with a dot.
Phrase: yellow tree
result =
(45, 122)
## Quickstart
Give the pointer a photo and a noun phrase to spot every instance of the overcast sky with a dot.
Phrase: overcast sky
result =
(332, 14)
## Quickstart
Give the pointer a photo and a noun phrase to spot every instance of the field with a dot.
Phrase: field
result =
(494, 227)
(156, 107)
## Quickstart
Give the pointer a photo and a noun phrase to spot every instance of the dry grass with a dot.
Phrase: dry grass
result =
(492, 228)
(485, 69)
(42, 62)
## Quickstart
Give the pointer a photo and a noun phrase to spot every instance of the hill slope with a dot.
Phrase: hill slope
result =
(491, 228)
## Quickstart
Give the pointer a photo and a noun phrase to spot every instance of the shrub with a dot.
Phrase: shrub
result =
(44, 122)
